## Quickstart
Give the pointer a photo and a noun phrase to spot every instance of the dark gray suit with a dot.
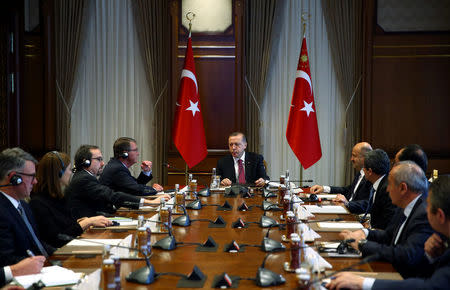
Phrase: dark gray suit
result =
(254, 168)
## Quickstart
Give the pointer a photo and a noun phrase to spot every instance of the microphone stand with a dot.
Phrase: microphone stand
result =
(145, 275)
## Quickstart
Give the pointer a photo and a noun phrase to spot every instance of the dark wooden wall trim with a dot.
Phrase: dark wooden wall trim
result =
(407, 91)
(218, 64)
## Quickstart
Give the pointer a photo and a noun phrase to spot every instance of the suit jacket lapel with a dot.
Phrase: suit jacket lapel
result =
(416, 206)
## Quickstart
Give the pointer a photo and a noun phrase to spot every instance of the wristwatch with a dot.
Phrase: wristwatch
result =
(361, 243)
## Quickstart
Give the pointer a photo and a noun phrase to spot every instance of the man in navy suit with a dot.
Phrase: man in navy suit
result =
(360, 187)
(436, 249)
(117, 176)
(241, 166)
(379, 204)
(18, 231)
(403, 240)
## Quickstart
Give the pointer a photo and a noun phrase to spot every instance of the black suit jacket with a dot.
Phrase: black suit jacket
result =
(254, 168)
(116, 176)
(440, 278)
(53, 218)
(406, 256)
(86, 197)
(382, 209)
(362, 192)
(2, 277)
(15, 239)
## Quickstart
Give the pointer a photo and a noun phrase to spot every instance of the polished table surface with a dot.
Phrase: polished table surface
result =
(243, 264)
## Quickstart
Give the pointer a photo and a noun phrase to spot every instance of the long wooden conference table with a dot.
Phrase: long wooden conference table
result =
(243, 264)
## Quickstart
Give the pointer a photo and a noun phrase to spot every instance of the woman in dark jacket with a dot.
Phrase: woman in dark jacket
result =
(49, 204)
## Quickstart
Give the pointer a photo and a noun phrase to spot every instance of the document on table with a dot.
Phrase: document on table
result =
(326, 209)
(341, 225)
(324, 196)
(50, 276)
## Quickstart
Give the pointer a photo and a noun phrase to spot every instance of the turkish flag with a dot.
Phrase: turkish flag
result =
(302, 132)
(188, 131)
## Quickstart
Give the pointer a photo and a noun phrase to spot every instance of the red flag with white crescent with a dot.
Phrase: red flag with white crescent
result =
(188, 131)
(302, 131)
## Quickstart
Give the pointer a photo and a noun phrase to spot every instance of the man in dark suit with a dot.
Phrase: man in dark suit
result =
(359, 189)
(413, 152)
(87, 197)
(241, 166)
(379, 204)
(18, 230)
(117, 175)
(402, 243)
(438, 212)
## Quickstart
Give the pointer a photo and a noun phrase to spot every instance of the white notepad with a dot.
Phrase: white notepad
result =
(50, 276)
(326, 209)
(339, 225)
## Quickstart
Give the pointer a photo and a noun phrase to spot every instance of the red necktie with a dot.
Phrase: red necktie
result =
(241, 171)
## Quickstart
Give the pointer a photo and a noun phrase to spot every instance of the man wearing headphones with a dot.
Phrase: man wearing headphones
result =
(87, 197)
(18, 232)
(117, 176)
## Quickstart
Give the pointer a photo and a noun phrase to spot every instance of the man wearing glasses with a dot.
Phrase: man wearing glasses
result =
(18, 232)
(87, 197)
(117, 175)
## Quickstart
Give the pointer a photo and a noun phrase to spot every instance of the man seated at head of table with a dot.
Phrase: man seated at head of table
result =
(240, 166)
(86, 197)
(360, 187)
(49, 203)
(379, 204)
(401, 244)
(116, 173)
(436, 248)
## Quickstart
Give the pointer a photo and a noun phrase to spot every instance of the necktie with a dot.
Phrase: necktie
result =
(30, 229)
(369, 205)
(241, 171)
(399, 229)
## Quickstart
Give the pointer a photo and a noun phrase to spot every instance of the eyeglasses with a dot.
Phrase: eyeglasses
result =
(135, 149)
(99, 159)
(33, 175)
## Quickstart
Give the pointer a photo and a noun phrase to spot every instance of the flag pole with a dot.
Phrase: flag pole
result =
(189, 16)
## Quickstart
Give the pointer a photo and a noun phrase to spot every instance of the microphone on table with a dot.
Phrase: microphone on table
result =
(145, 275)
(265, 277)
(168, 243)
(365, 260)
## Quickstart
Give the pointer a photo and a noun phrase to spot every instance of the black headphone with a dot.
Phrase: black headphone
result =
(86, 163)
(15, 180)
(124, 155)
(63, 167)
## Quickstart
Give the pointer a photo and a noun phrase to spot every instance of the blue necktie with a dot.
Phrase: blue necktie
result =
(30, 229)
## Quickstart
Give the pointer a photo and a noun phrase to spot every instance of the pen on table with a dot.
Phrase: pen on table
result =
(30, 253)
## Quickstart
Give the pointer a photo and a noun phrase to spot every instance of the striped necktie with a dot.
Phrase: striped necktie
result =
(30, 229)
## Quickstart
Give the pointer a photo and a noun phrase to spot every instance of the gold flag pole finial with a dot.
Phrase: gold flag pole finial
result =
(305, 17)
(190, 16)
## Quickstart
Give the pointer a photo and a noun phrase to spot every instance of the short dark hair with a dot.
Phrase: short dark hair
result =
(13, 159)
(412, 175)
(122, 145)
(83, 153)
(377, 160)
(414, 153)
(439, 198)
(234, 134)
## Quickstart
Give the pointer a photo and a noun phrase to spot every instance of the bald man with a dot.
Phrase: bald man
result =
(360, 187)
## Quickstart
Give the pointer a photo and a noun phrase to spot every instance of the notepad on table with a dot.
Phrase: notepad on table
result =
(326, 209)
